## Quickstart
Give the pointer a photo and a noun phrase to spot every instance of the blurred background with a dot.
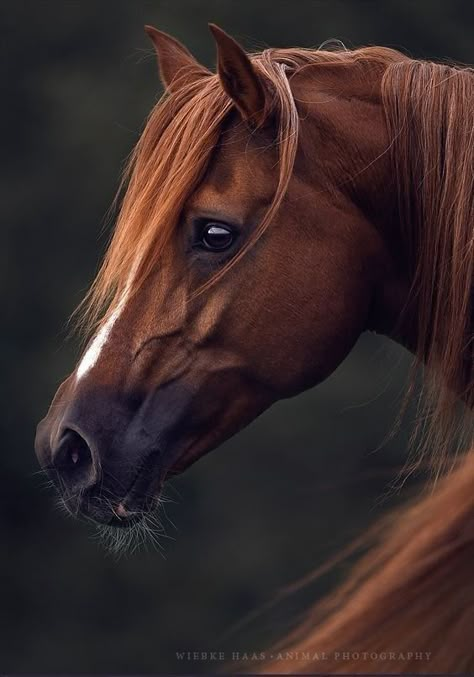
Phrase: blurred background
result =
(273, 503)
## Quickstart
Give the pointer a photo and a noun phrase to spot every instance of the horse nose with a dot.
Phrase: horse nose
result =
(73, 463)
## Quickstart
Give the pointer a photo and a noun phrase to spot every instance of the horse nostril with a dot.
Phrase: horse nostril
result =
(73, 461)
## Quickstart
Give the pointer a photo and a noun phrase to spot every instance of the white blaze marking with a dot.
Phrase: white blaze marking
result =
(91, 355)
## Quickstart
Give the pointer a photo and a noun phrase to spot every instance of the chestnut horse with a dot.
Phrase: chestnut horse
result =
(274, 211)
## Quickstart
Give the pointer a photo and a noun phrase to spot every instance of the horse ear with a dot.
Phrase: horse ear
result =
(176, 64)
(239, 78)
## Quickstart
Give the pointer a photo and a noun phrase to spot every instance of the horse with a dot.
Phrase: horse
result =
(271, 212)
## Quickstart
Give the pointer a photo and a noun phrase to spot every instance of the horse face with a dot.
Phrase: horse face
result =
(174, 372)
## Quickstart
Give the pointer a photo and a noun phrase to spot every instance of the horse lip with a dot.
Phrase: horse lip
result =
(141, 497)
(124, 522)
(143, 493)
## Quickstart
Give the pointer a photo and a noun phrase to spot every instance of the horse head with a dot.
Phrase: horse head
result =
(254, 245)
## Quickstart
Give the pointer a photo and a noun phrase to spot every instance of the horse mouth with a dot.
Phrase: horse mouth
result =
(114, 504)
(142, 496)
(144, 493)
(108, 506)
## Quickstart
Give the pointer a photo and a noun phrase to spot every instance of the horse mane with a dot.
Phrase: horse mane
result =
(408, 605)
(431, 125)
(408, 591)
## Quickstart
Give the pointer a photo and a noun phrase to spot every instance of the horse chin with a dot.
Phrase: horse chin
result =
(123, 522)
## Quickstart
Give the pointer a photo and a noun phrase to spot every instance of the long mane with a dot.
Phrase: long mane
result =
(409, 603)
(430, 119)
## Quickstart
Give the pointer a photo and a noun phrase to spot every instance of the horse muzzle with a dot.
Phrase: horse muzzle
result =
(106, 455)
(109, 451)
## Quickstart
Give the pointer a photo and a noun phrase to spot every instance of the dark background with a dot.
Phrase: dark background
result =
(78, 79)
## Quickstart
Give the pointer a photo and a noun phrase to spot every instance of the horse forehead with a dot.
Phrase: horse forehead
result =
(243, 164)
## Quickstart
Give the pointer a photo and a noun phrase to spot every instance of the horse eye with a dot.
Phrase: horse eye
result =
(217, 237)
